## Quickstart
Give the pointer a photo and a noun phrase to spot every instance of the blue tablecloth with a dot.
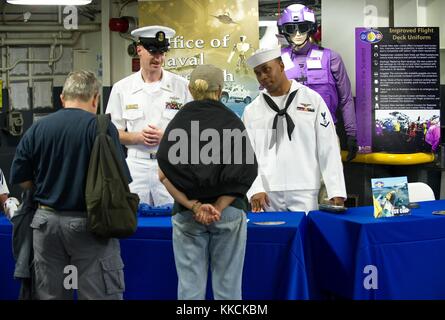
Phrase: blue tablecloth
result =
(274, 265)
(408, 252)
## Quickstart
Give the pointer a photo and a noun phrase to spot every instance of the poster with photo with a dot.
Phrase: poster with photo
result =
(409, 130)
(211, 32)
(398, 89)
(390, 197)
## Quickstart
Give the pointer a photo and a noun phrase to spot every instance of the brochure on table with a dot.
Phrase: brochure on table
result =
(390, 196)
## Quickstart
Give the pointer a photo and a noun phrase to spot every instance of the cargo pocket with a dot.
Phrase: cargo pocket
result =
(38, 222)
(113, 273)
(78, 225)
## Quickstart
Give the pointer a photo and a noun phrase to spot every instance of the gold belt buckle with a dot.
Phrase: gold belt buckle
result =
(42, 206)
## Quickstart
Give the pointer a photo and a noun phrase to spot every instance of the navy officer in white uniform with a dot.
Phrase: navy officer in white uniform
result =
(141, 105)
(294, 139)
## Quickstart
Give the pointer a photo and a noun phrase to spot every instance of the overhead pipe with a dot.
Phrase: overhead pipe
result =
(48, 28)
(34, 78)
(42, 22)
(48, 41)
(59, 15)
(50, 61)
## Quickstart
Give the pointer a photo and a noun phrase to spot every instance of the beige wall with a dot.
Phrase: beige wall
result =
(339, 20)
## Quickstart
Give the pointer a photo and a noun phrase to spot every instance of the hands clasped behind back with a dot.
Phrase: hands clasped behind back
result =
(207, 214)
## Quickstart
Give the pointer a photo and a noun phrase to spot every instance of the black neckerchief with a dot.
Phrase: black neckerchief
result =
(282, 112)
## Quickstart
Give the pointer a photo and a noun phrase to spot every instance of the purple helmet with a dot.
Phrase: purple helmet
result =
(297, 17)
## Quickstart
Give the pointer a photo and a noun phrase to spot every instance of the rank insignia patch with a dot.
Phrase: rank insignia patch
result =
(160, 36)
(173, 104)
(325, 122)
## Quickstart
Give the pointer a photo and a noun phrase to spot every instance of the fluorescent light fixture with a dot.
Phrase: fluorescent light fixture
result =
(50, 2)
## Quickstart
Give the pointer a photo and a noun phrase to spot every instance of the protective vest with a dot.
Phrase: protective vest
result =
(314, 71)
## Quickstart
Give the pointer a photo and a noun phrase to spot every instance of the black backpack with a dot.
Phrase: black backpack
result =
(111, 207)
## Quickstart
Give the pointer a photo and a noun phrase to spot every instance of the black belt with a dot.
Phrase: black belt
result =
(142, 154)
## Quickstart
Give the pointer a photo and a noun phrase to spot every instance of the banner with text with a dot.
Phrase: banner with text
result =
(398, 89)
(224, 34)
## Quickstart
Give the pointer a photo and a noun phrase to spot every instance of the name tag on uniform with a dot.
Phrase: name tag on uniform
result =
(313, 63)
(316, 54)
(132, 107)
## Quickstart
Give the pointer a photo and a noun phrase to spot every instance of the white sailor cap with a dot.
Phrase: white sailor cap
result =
(263, 55)
(153, 32)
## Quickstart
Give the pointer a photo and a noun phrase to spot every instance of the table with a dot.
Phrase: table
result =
(274, 266)
(408, 253)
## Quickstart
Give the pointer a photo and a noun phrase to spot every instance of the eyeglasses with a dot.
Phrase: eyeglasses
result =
(291, 28)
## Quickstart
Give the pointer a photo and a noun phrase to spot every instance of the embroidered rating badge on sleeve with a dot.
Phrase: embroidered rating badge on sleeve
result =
(325, 122)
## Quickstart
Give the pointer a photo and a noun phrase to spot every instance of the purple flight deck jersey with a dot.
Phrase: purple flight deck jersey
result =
(328, 77)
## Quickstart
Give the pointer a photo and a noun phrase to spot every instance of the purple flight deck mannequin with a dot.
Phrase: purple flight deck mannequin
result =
(318, 68)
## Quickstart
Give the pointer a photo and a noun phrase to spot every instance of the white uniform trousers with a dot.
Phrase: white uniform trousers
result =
(293, 200)
(146, 184)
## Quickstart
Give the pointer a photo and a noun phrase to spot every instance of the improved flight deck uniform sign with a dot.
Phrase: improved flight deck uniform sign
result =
(398, 89)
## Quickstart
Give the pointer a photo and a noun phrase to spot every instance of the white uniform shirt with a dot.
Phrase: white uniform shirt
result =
(134, 104)
(3, 186)
(313, 151)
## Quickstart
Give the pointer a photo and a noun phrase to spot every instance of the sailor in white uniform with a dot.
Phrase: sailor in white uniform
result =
(294, 140)
(141, 105)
